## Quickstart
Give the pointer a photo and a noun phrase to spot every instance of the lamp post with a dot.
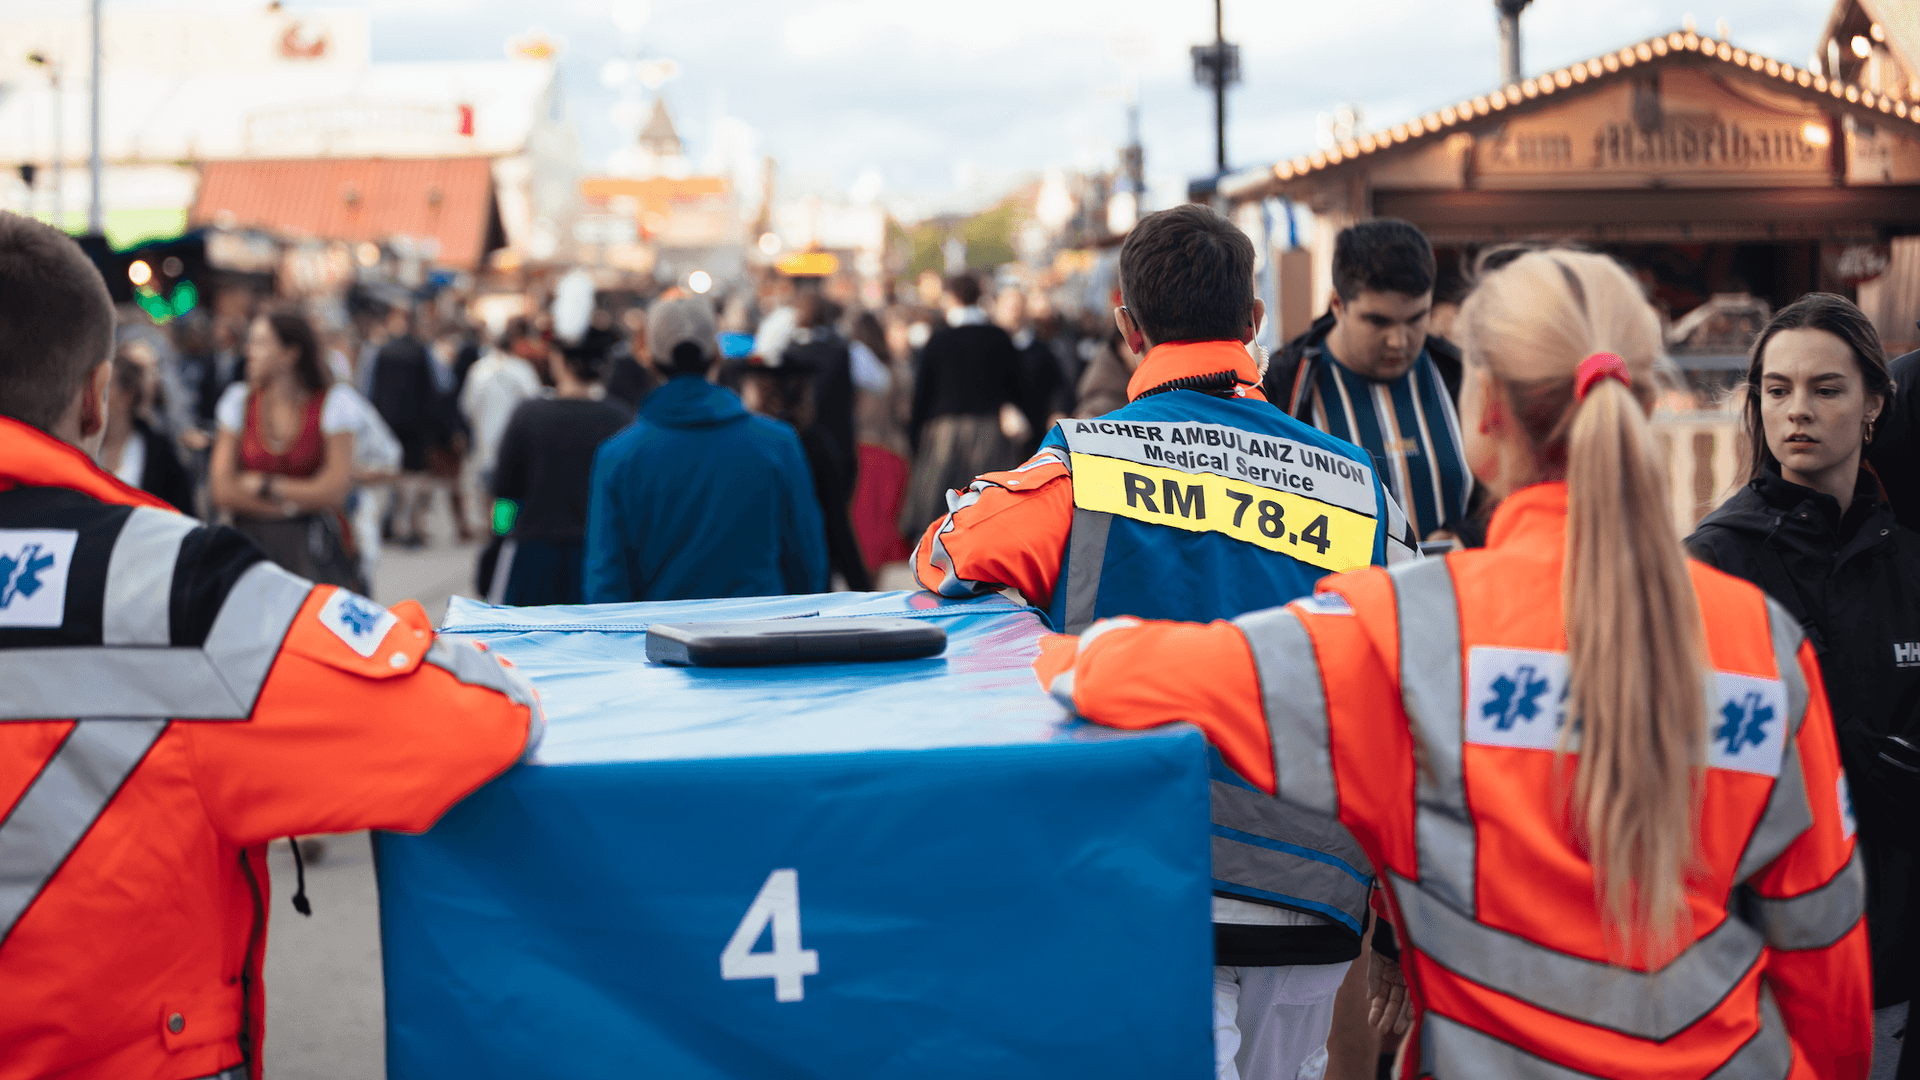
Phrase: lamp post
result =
(1217, 66)
(40, 59)
(1510, 37)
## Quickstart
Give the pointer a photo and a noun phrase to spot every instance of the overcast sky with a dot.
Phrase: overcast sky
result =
(942, 105)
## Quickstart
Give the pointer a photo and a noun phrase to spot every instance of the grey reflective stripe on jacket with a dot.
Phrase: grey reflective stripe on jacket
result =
(1823, 915)
(124, 692)
(1450, 1050)
(148, 679)
(1086, 558)
(1307, 809)
(466, 663)
(1265, 848)
(1433, 697)
(139, 592)
(62, 803)
(1296, 708)
(1646, 1004)
(1079, 584)
(1308, 854)
(1788, 813)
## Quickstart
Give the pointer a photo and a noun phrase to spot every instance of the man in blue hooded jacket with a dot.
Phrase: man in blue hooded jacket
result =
(699, 498)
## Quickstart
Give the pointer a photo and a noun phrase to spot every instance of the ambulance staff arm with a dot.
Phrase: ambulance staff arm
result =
(1010, 530)
(1811, 900)
(340, 740)
(605, 577)
(1135, 675)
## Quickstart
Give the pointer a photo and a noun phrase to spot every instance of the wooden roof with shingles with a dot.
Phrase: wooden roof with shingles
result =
(1528, 95)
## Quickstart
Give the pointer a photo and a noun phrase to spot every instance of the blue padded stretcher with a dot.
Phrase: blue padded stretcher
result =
(918, 868)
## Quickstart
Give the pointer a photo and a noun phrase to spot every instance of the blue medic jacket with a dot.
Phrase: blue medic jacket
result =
(1198, 500)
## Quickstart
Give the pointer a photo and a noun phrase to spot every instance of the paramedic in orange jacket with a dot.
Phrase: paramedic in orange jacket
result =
(169, 703)
(1664, 888)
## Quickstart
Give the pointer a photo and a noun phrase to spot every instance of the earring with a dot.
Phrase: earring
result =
(1868, 428)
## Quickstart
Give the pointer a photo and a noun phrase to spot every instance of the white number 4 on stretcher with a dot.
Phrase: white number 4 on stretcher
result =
(778, 902)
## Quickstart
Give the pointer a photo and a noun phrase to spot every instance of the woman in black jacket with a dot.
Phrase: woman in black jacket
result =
(1814, 530)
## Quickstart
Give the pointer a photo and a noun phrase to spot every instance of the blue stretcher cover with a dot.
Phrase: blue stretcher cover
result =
(918, 868)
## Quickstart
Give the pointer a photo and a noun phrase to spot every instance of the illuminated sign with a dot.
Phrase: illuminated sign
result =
(809, 264)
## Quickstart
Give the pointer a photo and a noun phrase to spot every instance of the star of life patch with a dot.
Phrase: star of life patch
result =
(33, 576)
(1747, 724)
(1516, 697)
(356, 620)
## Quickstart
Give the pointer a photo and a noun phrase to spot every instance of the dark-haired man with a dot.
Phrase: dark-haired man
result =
(699, 498)
(1199, 497)
(1368, 372)
(170, 702)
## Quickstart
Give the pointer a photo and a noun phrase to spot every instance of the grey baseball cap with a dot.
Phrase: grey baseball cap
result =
(676, 322)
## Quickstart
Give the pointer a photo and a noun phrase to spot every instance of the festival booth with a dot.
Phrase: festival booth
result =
(1707, 168)
(1729, 182)
(914, 868)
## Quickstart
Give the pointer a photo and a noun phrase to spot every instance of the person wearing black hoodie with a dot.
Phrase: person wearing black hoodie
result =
(1814, 529)
(786, 392)
(1895, 453)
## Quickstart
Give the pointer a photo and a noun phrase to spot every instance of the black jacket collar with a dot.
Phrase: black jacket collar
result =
(1799, 518)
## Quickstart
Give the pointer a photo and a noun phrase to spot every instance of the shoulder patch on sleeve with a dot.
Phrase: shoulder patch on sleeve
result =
(33, 576)
(356, 635)
(1042, 468)
(1325, 603)
(357, 621)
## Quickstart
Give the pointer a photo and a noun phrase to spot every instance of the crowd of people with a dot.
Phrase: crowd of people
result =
(1503, 783)
(324, 441)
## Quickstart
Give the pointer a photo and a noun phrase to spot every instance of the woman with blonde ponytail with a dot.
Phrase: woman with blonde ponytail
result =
(1598, 782)
(1636, 661)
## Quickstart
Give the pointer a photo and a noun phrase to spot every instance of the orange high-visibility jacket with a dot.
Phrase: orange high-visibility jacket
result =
(1422, 707)
(169, 702)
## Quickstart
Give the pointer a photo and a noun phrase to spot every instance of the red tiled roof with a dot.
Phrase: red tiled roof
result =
(1532, 93)
(449, 199)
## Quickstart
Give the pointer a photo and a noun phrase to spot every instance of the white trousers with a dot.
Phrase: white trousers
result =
(1267, 1021)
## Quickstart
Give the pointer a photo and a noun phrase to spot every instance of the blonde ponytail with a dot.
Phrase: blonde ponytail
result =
(1635, 642)
(1636, 658)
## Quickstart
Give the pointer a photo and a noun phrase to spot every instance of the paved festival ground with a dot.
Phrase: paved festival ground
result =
(324, 997)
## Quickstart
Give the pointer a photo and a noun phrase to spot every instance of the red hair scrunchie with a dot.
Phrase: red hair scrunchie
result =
(1601, 365)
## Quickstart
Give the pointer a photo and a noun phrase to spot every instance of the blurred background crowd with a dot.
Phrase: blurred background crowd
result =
(391, 249)
(415, 398)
